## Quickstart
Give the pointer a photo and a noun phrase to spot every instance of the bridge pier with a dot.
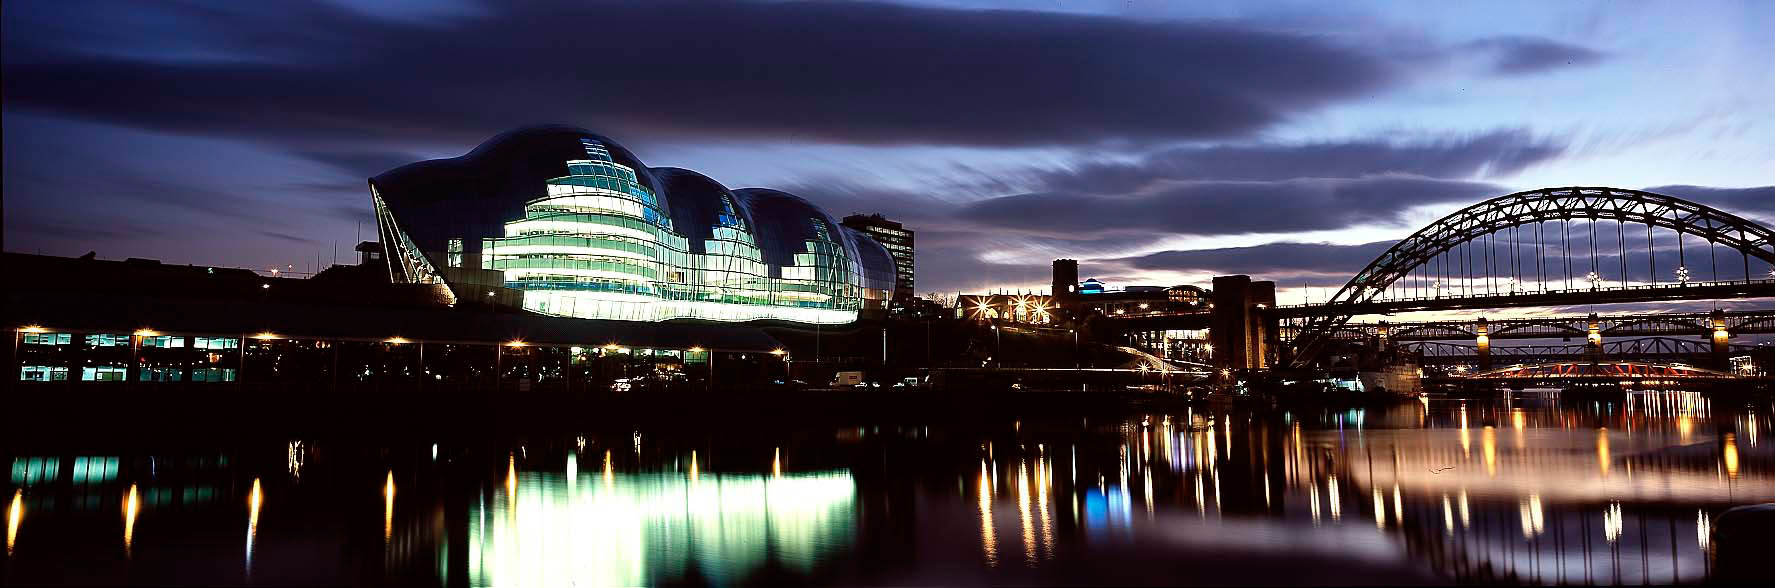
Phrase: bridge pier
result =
(1483, 339)
(1721, 352)
(1243, 329)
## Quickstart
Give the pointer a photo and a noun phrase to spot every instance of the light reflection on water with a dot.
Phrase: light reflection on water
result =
(1577, 493)
(541, 529)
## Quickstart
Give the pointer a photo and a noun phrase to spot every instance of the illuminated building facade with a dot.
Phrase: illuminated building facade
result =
(1016, 308)
(898, 241)
(564, 222)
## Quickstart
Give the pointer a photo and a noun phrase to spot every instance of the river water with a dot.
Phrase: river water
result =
(1520, 489)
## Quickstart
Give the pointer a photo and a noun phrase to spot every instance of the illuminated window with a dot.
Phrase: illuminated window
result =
(103, 373)
(49, 338)
(43, 373)
(453, 253)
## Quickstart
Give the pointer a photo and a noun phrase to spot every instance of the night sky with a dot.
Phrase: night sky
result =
(1157, 142)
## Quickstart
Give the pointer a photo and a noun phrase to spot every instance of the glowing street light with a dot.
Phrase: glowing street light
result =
(33, 329)
(267, 336)
(396, 340)
(515, 343)
(1682, 274)
(146, 333)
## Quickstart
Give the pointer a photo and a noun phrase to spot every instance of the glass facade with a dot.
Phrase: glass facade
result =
(584, 230)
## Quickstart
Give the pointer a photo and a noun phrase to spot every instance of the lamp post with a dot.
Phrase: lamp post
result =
(997, 348)
(780, 352)
(135, 353)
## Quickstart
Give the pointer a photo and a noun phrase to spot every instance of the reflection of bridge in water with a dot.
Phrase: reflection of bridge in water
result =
(1622, 493)
(1541, 248)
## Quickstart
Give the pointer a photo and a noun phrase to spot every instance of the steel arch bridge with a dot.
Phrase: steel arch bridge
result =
(1535, 207)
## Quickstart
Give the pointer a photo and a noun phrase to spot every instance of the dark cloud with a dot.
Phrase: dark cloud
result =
(1266, 261)
(1518, 55)
(839, 72)
(285, 237)
(959, 268)
(358, 162)
(1757, 203)
(1496, 153)
(1214, 207)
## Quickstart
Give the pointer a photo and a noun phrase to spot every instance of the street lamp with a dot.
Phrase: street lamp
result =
(1077, 362)
(1682, 274)
(997, 347)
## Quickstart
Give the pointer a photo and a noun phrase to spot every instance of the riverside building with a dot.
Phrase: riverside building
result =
(560, 221)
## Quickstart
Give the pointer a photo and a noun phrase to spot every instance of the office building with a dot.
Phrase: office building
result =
(898, 241)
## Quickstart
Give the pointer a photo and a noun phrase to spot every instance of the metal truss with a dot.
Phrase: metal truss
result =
(1529, 208)
(1752, 322)
(1613, 370)
(1444, 353)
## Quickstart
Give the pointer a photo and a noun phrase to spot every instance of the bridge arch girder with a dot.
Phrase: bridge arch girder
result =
(1563, 327)
(1682, 324)
(1525, 208)
(1435, 329)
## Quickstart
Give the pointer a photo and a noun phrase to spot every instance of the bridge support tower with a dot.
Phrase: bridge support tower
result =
(1243, 329)
(1482, 339)
(1721, 353)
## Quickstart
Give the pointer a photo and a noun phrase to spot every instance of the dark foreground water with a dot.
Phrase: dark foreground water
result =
(1508, 489)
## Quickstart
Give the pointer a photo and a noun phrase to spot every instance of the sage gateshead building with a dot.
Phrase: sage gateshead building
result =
(564, 222)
